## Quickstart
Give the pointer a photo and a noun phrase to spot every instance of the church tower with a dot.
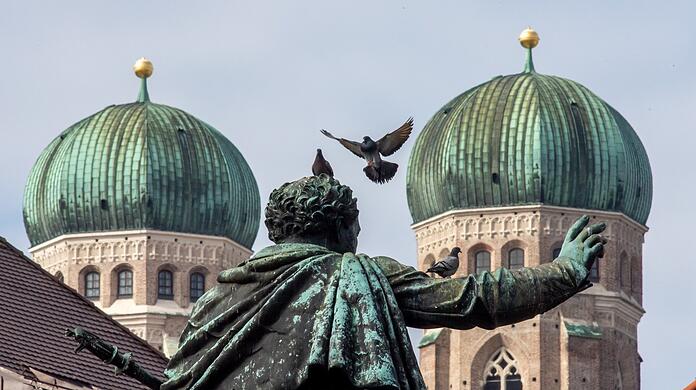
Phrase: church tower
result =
(139, 207)
(502, 171)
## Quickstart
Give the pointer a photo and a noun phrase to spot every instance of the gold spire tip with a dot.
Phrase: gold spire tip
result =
(529, 38)
(143, 68)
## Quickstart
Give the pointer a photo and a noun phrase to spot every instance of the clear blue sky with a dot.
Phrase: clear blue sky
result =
(270, 74)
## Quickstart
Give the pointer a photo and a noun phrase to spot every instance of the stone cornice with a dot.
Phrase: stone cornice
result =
(136, 245)
(524, 222)
(118, 234)
(490, 211)
(621, 303)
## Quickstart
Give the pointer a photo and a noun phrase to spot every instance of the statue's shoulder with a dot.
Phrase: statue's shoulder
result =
(389, 265)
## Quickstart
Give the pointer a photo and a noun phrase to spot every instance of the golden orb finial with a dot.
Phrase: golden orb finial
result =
(529, 38)
(143, 68)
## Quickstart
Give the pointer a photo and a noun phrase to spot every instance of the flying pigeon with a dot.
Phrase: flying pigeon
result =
(321, 165)
(447, 266)
(378, 170)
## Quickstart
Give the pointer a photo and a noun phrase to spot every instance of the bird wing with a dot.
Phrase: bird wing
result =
(391, 142)
(329, 170)
(440, 266)
(348, 144)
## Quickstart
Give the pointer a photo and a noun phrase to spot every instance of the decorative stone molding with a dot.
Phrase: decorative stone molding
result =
(129, 246)
(523, 222)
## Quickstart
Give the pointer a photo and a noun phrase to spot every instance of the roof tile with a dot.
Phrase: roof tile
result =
(36, 311)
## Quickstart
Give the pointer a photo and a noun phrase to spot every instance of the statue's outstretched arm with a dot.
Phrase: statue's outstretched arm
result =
(109, 354)
(492, 299)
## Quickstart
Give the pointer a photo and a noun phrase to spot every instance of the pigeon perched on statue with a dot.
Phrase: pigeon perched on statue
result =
(447, 266)
(320, 165)
(378, 170)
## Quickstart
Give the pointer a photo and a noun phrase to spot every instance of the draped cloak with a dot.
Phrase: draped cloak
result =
(299, 316)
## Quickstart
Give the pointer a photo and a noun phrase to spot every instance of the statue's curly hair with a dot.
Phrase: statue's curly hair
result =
(308, 206)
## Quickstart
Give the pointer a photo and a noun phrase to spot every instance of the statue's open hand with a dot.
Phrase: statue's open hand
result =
(583, 244)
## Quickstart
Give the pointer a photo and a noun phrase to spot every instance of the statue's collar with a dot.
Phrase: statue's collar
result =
(270, 259)
(292, 250)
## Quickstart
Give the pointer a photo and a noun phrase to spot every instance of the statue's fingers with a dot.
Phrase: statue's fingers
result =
(577, 228)
(598, 227)
(604, 245)
(594, 252)
(593, 239)
(590, 230)
(601, 254)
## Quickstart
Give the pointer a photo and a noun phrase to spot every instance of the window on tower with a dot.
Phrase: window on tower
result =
(197, 286)
(92, 285)
(555, 253)
(482, 261)
(624, 271)
(125, 284)
(594, 271)
(165, 284)
(501, 372)
(515, 258)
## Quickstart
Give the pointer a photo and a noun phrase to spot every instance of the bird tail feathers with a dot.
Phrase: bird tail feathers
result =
(372, 173)
(386, 172)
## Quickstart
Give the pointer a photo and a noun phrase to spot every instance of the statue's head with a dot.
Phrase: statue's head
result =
(315, 209)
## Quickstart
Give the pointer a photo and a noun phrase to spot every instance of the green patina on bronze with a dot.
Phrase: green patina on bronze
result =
(528, 138)
(582, 330)
(142, 165)
(298, 315)
(430, 337)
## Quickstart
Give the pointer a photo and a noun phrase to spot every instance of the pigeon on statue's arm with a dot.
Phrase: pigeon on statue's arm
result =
(447, 266)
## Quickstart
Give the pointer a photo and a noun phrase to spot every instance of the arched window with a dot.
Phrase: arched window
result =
(125, 284)
(502, 373)
(428, 261)
(482, 261)
(624, 271)
(515, 258)
(197, 284)
(165, 284)
(92, 285)
(59, 276)
(594, 271)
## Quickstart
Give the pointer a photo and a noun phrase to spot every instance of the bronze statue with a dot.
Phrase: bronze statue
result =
(309, 313)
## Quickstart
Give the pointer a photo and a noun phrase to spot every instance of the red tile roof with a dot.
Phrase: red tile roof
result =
(35, 311)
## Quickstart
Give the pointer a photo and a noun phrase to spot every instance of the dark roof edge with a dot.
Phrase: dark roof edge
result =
(85, 300)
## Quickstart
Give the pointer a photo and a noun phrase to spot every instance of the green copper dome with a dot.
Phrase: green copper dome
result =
(142, 166)
(526, 139)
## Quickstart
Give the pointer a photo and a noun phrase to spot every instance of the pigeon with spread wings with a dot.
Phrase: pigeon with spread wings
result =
(378, 170)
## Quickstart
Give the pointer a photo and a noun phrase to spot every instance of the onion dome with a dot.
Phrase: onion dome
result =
(142, 166)
(528, 138)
